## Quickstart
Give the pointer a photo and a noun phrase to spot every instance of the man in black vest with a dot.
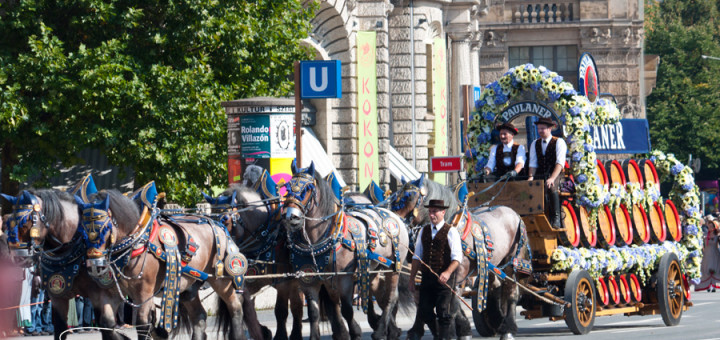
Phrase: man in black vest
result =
(547, 159)
(507, 157)
(439, 246)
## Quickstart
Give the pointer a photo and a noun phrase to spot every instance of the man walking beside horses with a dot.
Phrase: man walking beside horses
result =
(440, 249)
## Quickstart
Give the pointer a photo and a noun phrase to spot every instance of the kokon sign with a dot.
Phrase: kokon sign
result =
(446, 164)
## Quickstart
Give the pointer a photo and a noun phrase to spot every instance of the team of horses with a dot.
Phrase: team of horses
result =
(330, 250)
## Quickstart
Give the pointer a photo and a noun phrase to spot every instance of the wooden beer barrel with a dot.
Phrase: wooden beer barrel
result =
(623, 225)
(641, 225)
(635, 288)
(571, 236)
(672, 220)
(615, 172)
(588, 238)
(633, 173)
(657, 224)
(624, 287)
(649, 172)
(602, 292)
(602, 174)
(613, 290)
(606, 225)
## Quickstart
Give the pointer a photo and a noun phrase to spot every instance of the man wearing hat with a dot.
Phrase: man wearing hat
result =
(547, 159)
(438, 245)
(506, 157)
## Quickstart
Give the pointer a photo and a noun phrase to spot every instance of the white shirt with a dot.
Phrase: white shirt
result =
(519, 158)
(560, 151)
(456, 253)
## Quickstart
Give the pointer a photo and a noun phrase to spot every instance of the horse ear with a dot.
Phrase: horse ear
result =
(293, 166)
(233, 199)
(208, 198)
(106, 203)
(27, 198)
(311, 169)
(402, 180)
(11, 199)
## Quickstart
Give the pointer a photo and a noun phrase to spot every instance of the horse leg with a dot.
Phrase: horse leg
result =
(198, 316)
(391, 291)
(59, 317)
(256, 330)
(312, 294)
(346, 306)
(230, 312)
(296, 307)
(463, 330)
(508, 302)
(145, 320)
(331, 303)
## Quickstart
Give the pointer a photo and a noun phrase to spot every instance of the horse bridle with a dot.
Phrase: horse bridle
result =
(20, 216)
(95, 224)
(401, 201)
(297, 194)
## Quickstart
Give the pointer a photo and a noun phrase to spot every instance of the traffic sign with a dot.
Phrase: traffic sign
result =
(320, 79)
(446, 164)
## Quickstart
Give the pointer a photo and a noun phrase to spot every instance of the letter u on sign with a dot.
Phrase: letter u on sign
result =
(320, 79)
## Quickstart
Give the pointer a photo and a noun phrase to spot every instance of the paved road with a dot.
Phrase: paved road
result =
(699, 323)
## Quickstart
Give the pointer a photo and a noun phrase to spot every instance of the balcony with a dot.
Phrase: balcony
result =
(527, 12)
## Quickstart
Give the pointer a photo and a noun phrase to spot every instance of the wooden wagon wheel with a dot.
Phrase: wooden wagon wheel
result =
(623, 225)
(672, 220)
(635, 288)
(657, 224)
(580, 293)
(670, 290)
(571, 236)
(482, 325)
(641, 225)
(588, 237)
(606, 225)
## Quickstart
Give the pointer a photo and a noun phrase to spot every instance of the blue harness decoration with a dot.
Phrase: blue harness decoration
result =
(58, 273)
(363, 263)
(171, 289)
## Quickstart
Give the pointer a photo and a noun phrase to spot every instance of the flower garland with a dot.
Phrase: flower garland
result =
(685, 195)
(579, 114)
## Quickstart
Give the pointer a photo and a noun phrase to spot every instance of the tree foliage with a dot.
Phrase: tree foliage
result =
(684, 108)
(141, 81)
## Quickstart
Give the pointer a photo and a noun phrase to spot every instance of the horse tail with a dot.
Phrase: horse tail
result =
(406, 299)
(184, 325)
(224, 318)
(325, 304)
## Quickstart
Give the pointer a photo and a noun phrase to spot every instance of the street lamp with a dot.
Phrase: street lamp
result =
(710, 57)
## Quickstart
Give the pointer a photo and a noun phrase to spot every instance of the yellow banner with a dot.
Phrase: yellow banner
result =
(367, 110)
(439, 100)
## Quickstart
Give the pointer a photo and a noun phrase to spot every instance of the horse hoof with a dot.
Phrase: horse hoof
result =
(465, 337)
(507, 336)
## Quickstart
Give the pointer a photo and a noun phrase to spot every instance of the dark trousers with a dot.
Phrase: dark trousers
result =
(436, 305)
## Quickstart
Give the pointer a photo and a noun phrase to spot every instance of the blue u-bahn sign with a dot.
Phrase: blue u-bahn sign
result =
(320, 79)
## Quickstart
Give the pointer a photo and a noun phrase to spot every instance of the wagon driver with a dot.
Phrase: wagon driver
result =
(507, 157)
(438, 245)
(547, 159)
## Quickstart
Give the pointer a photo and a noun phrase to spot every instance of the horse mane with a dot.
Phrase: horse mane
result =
(438, 191)
(123, 208)
(326, 203)
(54, 213)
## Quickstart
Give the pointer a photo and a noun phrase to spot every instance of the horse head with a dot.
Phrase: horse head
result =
(409, 198)
(301, 196)
(37, 215)
(240, 209)
(100, 227)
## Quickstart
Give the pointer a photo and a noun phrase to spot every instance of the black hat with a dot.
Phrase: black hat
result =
(546, 121)
(507, 126)
(440, 204)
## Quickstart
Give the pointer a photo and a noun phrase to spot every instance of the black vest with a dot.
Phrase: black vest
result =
(436, 251)
(500, 167)
(546, 162)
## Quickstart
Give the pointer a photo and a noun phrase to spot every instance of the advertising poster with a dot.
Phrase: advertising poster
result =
(254, 136)
(280, 172)
(439, 100)
(282, 138)
(367, 110)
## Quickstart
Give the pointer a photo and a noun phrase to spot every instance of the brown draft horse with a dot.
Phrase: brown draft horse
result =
(319, 235)
(506, 229)
(44, 227)
(254, 225)
(129, 249)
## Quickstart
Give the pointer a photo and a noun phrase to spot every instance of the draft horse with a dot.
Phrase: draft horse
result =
(491, 236)
(253, 222)
(334, 246)
(43, 227)
(143, 254)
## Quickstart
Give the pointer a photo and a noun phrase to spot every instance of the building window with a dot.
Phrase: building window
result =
(561, 59)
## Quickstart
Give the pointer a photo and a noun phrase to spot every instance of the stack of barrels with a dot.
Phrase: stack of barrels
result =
(625, 225)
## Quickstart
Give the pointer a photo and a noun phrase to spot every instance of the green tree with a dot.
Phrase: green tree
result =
(140, 80)
(684, 108)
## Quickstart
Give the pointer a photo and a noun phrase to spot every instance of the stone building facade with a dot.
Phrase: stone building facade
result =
(483, 38)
